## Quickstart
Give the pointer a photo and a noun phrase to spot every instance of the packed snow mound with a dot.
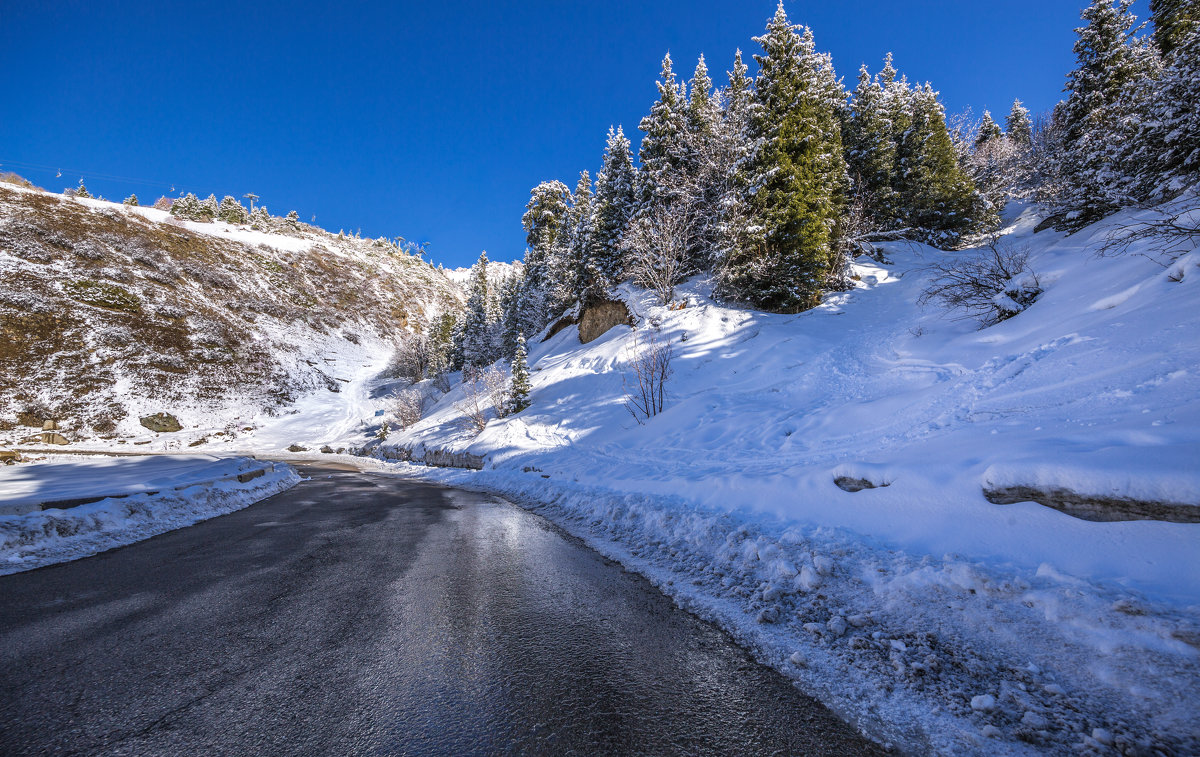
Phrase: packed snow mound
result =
(111, 313)
(930, 616)
(61, 509)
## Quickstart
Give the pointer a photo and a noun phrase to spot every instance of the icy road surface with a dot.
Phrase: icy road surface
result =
(368, 614)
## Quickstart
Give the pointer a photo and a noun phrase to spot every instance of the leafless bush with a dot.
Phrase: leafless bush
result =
(659, 245)
(1166, 237)
(483, 391)
(650, 363)
(163, 203)
(411, 359)
(991, 286)
(406, 406)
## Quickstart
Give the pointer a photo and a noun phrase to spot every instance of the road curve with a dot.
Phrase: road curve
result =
(366, 614)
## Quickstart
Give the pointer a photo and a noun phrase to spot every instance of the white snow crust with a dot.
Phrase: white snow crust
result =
(143, 496)
(912, 605)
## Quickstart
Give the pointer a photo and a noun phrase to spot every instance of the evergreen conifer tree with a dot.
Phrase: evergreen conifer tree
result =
(1110, 63)
(661, 151)
(260, 219)
(208, 209)
(81, 190)
(940, 200)
(796, 175)
(186, 208)
(988, 130)
(1164, 155)
(871, 150)
(568, 275)
(478, 319)
(545, 223)
(518, 393)
(1018, 125)
(615, 203)
(232, 211)
(732, 209)
(1174, 20)
(131, 201)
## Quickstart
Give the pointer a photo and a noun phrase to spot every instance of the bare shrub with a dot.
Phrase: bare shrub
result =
(406, 406)
(411, 359)
(483, 391)
(991, 286)
(1166, 237)
(645, 390)
(659, 245)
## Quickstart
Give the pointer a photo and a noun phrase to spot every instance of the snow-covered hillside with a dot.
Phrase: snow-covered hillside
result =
(111, 313)
(930, 616)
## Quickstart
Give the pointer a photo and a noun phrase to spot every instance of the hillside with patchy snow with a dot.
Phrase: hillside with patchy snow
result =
(110, 313)
(932, 617)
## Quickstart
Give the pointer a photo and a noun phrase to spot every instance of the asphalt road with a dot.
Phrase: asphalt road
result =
(361, 614)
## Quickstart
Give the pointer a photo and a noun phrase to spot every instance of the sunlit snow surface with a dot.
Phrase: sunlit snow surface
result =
(727, 499)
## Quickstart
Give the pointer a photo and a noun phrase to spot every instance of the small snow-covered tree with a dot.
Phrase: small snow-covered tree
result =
(479, 318)
(81, 190)
(186, 208)
(131, 201)
(988, 130)
(518, 393)
(261, 219)
(232, 211)
(208, 209)
(1018, 125)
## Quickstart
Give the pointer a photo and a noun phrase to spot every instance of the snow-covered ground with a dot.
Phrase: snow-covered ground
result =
(933, 618)
(93, 504)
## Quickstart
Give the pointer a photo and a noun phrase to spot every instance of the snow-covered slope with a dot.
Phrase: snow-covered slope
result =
(929, 615)
(110, 313)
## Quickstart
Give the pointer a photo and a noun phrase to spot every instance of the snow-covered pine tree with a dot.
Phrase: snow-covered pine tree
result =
(1018, 126)
(941, 204)
(131, 201)
(232, 211)
(261, 219)
(614, 205)
(567, 275)
(870, 146)
(734, 150)
(208, 208)
(1165, 155)
(988, 130)
(520, 386)
(796, 175)
(545, 223)
(478, 318)
(81, 190)
(705, 166)
(1098, 113)
(661, 151)
(1174, 21)
(292, 219)
(510, 311)
(186, 208)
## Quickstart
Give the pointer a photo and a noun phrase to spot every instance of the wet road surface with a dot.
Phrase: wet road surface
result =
(364, 614)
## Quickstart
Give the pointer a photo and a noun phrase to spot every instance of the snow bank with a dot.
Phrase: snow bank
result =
(125, 500)
(905, 602)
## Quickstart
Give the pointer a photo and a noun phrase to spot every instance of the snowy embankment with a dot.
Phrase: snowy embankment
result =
(65, 508)
(931, 617)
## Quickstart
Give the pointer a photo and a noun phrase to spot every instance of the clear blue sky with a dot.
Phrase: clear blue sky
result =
(432, 120)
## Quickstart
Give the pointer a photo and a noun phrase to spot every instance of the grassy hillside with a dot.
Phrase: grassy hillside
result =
(108, 312)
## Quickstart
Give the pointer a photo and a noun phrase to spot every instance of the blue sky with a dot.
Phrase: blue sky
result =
(433, 120)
